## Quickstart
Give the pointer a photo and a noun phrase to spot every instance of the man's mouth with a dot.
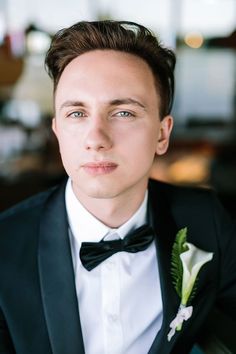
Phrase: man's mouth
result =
(99, 168)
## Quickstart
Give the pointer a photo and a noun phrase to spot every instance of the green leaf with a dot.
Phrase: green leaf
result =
(179, 247)
(193, 292)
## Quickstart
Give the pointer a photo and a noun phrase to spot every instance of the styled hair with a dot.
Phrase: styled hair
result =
(123, 36)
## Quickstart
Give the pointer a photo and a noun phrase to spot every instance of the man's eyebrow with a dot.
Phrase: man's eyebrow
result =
(118, 102)
(71, 104)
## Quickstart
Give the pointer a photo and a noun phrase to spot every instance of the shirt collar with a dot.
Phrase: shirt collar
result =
(87, 228)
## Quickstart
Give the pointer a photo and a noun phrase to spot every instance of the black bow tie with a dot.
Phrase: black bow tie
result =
(93, 253)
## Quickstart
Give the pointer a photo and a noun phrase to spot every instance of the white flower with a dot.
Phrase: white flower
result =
(187, 260)
(192, 260)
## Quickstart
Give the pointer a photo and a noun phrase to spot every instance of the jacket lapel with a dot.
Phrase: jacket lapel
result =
(165, 230)
(57, 278)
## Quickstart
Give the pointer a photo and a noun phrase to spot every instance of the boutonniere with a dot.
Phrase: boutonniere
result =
(187, 260)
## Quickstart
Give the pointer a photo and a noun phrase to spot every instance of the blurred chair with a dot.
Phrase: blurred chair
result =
(11, 67)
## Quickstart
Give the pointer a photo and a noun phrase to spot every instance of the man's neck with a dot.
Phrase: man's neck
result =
(112, 212)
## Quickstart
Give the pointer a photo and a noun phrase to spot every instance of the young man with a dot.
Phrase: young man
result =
(79, 270)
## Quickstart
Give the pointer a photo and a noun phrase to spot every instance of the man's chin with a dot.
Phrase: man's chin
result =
(97, 191)
(102, 193)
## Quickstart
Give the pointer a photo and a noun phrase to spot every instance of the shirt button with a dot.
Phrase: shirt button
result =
(113, 318)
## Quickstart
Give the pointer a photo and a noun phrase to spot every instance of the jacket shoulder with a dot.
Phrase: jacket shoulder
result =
(26, 208)
(178, 191)
(188, 202)
(197, 208)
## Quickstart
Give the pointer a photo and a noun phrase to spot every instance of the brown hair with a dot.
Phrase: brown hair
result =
(123, 36)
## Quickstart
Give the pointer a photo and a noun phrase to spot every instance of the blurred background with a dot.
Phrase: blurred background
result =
(203, 34)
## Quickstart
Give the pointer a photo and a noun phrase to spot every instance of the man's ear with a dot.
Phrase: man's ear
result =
(54, 126)
(166, 126)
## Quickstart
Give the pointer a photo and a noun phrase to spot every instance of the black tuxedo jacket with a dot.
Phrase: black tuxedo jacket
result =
(39, 313)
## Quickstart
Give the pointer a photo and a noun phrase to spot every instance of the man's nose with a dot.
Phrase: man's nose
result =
(98, 136)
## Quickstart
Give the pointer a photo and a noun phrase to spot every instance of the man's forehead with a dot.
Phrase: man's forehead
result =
(107, 75)
(103, 61)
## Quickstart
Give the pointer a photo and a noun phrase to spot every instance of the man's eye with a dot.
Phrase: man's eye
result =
(76, 114)
(124, 114)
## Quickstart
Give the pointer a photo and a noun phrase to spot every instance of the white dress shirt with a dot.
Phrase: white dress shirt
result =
(120, 301)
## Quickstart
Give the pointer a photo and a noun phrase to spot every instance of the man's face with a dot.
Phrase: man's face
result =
(107, 124)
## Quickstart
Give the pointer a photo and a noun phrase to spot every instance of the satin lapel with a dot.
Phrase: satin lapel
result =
(165, 230)
(57, 278)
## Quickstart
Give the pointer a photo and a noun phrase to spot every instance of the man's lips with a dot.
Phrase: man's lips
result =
(99, 168)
